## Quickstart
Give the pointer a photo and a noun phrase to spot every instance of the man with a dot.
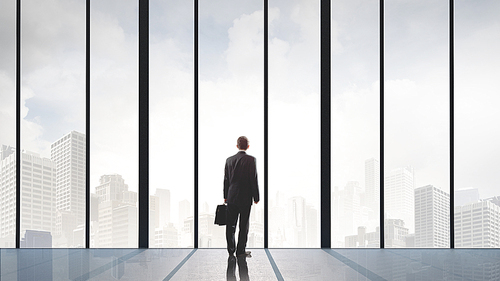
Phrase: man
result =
(240, 189)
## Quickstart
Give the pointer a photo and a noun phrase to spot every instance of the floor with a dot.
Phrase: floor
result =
(272, 264)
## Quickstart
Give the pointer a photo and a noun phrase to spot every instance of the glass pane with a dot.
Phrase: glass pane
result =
(8, 124)
(416, 144)
(171, 124)
(294, 124)
(53, 124)
(477, 65)
(114, 124)
(355, 124)
(231, 94)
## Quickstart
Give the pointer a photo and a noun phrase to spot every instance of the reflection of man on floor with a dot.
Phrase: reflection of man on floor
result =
(240, 187)
(242, 266)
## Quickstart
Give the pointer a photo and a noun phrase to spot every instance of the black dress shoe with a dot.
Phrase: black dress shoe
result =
(245, 254)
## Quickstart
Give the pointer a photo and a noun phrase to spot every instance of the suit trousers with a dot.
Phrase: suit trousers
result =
(233, 211)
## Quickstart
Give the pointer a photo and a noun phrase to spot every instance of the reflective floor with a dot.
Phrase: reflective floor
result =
(273, 264)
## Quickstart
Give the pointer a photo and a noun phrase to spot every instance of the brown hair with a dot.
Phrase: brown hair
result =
(242, 142)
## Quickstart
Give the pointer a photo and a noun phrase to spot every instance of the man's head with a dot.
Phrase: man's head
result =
(242, 143)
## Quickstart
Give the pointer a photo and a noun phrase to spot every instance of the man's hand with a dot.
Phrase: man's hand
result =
(225, 200)
(256, 202)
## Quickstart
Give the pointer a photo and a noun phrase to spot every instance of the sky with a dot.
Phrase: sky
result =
(355, 89)
(231, 44)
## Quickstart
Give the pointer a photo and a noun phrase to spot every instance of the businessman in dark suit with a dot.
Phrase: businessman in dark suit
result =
(240, 189)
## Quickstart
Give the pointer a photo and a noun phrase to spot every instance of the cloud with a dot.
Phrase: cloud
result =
(31, 131)
(246, 36)
(232, 105)
(62, 31)
(476, 100)
(8, 39)
(52, 71)
(417, 129)
(355, 132)
(172, 108)
(114, 92)
(7, 110)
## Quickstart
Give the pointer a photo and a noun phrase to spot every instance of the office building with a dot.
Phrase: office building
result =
(184, 211)
(399, 196)
(36, 239)
(363, 239)
(395, 233)
(117, 215)
(312, 222)
(111, 188)
(7, 197)
(296, 223)
(477, 225)
(211, 235)
(154, 211)
(372, 184)
(346, 211)
(432, 217)
(69, 157)
(164, 196)
(166, 236)
(37, 193)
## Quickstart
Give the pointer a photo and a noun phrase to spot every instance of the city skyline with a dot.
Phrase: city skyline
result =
(112, 198)
(355, 190)
(416, 95)
(291, 231)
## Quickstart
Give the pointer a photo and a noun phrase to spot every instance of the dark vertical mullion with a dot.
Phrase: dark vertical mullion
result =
(18, 124)
(326, 214)
(195, 217)
(452, 126)
(143, 123)
(382, 212)
(266, 119)
(87, 124)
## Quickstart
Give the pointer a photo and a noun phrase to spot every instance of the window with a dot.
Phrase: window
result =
(114, 124)
(476, 61)
(355, 103)
(231, 91)
(171, 124)
(416, 108)
(417, 120)
(294, 132)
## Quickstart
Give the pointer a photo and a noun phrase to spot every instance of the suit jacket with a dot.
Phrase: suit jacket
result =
(240, 180)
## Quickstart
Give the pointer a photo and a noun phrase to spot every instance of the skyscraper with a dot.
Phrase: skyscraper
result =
(68, 154)
(477, 225)
(166, 236)
(347, 209)
(164, 195)
(432, 219)
(154, 217)
(312, 221)
(117, 221)
(399, 196)
(111, 188)
(7, 198)
(154, 211)
(37, 194)
(296, 221)
(372, 184)
(395, 233)
(184, 211)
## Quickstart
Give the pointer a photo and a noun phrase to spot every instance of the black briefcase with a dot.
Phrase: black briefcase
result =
(221, 215)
